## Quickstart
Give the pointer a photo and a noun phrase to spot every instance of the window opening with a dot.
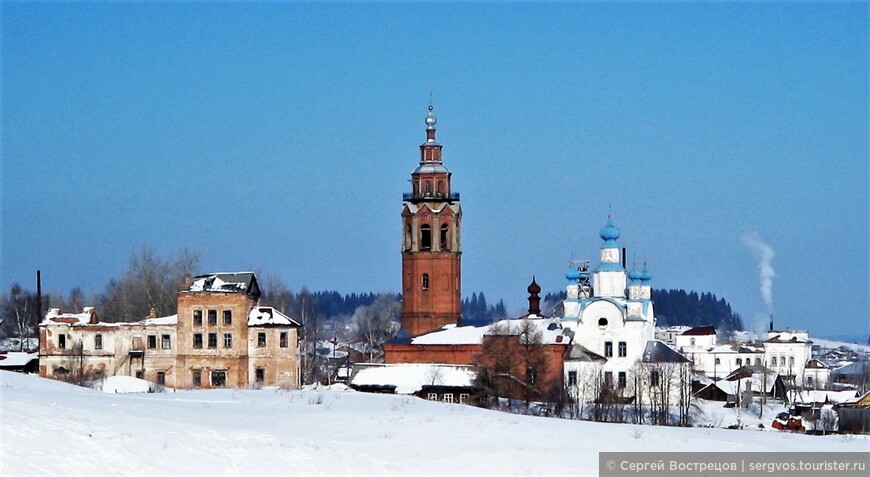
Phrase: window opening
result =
(261, 339)
(212, 317)
(445, 243)
(98, 341)
(218, 378)
(197, 340)
(228, 317)
(228, 340)
(425, 237)
(166, 342)
(608, 349)
(623, 349)
(212, 340)
(425, 281)
(283, 339)
(197, 317)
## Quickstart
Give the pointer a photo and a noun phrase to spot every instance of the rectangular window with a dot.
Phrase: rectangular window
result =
(161, 377)
(531, 375)
(623, 349)
(463, 398)
(791, 361)
(654, 377)
(261, 375)
(152, 342)
(212, 317)
(433, 396)
(98, 341)
(739, 362)
(197, 377)
(622, 380)
(283, 340)
(165, 342)
(212, 340)
(218, 379)
(608, 349)
(228, 317)
(140, 373)
(61, 341)
(572, 378)
(261, 339)
(228, 340)
(197, 340)
(448, 397)
(197, 317)
(608, 379)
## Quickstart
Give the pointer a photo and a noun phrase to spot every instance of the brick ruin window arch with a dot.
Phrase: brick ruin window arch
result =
(425, 237)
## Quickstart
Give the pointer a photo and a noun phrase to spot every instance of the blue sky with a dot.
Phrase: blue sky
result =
(279, 137)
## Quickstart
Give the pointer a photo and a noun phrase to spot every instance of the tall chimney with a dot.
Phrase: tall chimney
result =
(38, 308)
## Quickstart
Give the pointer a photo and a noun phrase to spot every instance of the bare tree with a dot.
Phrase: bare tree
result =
(377, 323)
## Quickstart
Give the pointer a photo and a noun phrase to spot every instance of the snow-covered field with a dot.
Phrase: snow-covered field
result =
(52, 428)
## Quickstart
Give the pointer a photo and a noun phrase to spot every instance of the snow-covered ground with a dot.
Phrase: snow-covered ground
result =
(52, 428)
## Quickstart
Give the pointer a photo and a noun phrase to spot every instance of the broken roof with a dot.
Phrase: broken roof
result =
(266, 315)
(550, 328)
(236, 282)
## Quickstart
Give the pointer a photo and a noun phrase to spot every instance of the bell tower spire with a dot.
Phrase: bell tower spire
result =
(431, 249)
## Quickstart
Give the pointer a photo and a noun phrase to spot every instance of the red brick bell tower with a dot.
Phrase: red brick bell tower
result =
(431, 249)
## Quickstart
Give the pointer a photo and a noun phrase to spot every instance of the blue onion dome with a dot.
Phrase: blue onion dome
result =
(645, 275)
(573, 275)
(635, 276)
(609, 232)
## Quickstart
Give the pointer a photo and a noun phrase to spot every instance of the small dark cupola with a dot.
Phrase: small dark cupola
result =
(534, 299)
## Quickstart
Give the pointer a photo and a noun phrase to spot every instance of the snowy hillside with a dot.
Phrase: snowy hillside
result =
(51, 428)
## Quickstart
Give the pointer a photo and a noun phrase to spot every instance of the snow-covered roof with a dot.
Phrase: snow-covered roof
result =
(162, 321)
(550, 328)
(821, 396)
(15, 359)
(266, 315)
(410, 378)
(235, 282)
(55, 316)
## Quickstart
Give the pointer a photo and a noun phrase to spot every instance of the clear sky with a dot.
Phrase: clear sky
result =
(279, 137)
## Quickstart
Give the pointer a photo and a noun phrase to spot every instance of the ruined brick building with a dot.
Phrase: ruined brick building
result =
(220, 337)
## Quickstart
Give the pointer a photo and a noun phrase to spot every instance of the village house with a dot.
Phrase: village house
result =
(220, 337)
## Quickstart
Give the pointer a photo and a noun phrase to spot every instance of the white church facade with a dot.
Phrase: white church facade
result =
(611, 314)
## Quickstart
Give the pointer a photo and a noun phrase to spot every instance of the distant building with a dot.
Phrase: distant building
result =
(220, 337)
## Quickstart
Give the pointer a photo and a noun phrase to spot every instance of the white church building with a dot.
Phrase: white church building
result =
(611, 314)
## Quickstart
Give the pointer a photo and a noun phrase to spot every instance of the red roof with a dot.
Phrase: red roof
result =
(700, 330)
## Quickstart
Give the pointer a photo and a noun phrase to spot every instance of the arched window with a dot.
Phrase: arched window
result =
(425, 281)
(758, 361)
(416, 188)
(428, 188)
(440, 188)
(739, 362)
(692, 342)
(408, 237)
(445, 244)
(773, 361)
(425, 237)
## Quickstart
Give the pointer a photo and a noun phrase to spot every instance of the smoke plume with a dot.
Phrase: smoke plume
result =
(764, 254)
